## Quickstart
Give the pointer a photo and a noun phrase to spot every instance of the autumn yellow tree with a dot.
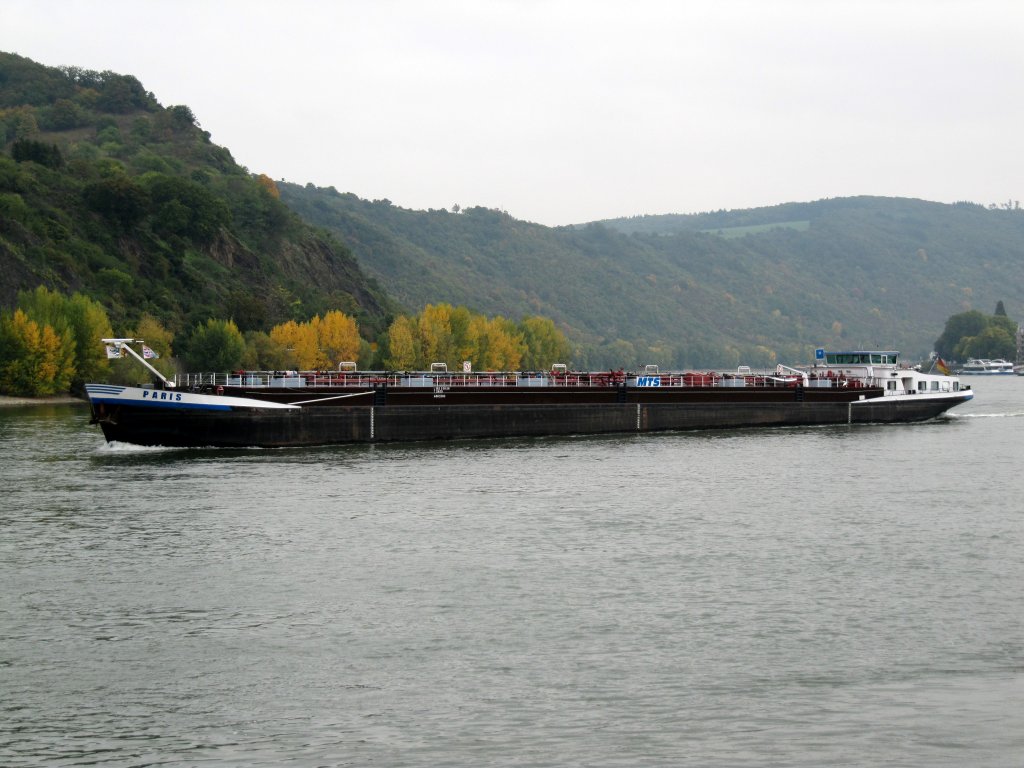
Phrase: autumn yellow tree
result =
(338, 338)
(34, 359)
(504, 345)
(81, 322)
(320, 343)
(403, 345)
(299, 339)
(435, 333)
(268, 184)
(442, 333)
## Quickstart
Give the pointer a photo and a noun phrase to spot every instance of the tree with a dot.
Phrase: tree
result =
(402, 344)
(160, 340)
(181, 117)
(506, 344)
(118, 198)
(959, 326)
(49, 309)
(79, 321)
(299, 341)
(34, 359)
(992, 342)
(216, 346)
(65, 114)
(263, 353)
(122, 93)
(544, 343)
(1000, 309)
(269, 185)
(25, 124)
(435, 333)
(337, 337)
(89, 323)
(37, 152)
(499, 345)
(184, 207)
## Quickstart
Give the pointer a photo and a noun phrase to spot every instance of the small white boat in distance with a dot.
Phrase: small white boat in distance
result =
(984, 367)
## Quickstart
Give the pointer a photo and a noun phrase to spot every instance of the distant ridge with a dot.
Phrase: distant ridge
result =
(718, 288)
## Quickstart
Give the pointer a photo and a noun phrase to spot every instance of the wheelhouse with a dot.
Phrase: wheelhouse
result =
(887, 357)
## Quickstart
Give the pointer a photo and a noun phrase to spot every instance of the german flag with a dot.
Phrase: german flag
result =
(941, 365)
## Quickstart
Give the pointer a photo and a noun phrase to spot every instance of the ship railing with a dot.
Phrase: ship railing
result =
(519, 379)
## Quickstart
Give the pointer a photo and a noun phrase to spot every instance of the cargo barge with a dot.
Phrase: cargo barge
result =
(291, 408)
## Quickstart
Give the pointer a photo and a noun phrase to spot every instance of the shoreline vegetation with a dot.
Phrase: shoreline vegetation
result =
(8, 401)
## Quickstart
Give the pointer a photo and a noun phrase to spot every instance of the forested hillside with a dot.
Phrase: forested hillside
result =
(711, 289)
(106, 192)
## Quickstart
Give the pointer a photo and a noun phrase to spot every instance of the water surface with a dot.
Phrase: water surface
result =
(795, 597)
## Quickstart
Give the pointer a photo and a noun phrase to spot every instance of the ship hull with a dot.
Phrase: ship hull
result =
(249, 422)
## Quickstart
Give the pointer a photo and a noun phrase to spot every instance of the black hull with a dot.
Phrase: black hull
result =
(334, 424)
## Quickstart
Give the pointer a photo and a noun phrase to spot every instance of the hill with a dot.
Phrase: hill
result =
(708, 289)
(106, 192)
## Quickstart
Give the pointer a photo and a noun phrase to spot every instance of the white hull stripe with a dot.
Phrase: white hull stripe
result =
(170, 398)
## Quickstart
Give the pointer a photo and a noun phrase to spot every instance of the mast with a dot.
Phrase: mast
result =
(123, 344)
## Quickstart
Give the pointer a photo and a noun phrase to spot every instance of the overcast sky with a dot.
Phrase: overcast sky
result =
(568, 111)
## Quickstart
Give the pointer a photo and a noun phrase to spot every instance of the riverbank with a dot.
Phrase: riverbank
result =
(6, 401)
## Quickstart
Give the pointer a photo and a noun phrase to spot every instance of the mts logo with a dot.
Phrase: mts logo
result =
(648, 381)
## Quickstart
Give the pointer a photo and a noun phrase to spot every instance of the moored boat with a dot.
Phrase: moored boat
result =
(277, 409)
(983, 367)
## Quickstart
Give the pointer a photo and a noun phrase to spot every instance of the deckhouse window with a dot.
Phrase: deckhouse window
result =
(861, 358)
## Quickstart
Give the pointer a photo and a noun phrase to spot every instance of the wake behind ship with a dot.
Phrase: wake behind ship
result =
(280, 409)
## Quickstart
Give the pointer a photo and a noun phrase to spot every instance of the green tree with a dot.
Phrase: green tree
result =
(216, 346)
(25, 124)
(992, 342)
(89, 323)
(118, 198)
(37, 152)
(264, 353)
(545, 344)
(65, 114)
(958, 327)
(160, 340)
(184, 207)
(122, 94)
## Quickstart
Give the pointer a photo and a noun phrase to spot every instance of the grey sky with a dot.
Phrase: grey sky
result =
(575, 110)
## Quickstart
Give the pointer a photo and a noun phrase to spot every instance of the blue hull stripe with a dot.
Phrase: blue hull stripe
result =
(180, 405)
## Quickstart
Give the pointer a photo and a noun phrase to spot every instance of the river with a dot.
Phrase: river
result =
(795, 597)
